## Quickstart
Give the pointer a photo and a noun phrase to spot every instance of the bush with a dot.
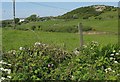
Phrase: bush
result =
(45, 62)
(87, 28)
(36, 62)
(33, 27)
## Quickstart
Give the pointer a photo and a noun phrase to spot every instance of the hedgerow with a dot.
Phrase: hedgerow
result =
(46, 62)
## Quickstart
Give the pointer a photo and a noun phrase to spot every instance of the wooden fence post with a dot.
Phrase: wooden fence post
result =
(81, 34)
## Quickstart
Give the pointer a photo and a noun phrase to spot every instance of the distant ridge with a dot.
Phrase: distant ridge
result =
(88, 11)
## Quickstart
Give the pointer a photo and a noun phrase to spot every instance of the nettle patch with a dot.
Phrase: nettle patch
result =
(46, 62)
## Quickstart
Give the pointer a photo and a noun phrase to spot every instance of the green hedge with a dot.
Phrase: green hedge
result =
(45, 62)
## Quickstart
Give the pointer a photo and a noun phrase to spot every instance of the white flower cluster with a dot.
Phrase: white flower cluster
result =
(21, 48)
(84, 46)
(76, 51)
(2, 62)
(112, 58)
(95, 43)
(109, 70)
(12, 51)
(8, 71)
(39, 44)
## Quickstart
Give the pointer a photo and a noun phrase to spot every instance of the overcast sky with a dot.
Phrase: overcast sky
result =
(25, 9)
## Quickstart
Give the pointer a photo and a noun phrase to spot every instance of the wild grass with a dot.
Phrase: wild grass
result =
(13, 39)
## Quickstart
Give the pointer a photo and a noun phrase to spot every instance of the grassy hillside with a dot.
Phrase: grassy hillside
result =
(65, 30)
(89, 11)
(61, 25)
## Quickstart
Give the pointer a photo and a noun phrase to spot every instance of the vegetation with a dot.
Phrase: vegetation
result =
(13, 39)
(55, 54)
(33, 17)
(93, 63)
(86, 12)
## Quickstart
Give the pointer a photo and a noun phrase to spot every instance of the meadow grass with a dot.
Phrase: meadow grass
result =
(13, 39)
(104, 25)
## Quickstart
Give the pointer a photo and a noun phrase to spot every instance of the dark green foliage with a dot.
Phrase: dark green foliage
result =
(36, 62)
(86, 12)
(7, 23)
(33, 17)
(45, 62)
(83, 12)
(33, 27)
(17, 20)
(87, 28)
(70, 29)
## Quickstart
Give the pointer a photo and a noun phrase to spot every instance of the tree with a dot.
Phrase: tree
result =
(17, 20)
(32, 18)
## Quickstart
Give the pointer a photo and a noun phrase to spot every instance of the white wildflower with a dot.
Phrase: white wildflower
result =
(85, 46)
(72, 76)
(119, 50)
(9, 64)
(118, 74)
(44, 44)
(115, 62)
(111, 54)
(117, 54)
(106, 70)
(13, 52)
(113, 71)
(5, 69)
(37, 43)
(2, 78)
(109, 69)
(114, 51)
(76, 52)
(1, 61)
(9, 77)
(4, 63)
(9, 71)
(2, 69)
(21, 48)
(91, 48)
(111, 58)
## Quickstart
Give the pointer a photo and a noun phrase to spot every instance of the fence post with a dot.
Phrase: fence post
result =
(81, 34)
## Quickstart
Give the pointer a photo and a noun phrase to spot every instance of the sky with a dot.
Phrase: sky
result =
(25, 9)
(62, 0)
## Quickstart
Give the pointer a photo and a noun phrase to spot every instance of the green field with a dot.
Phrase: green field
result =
(99, 25)
(13, 39)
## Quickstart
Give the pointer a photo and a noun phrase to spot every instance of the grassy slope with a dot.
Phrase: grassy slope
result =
(105, 24)
(13, 39)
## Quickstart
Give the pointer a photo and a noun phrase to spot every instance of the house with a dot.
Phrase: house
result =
(22, 19)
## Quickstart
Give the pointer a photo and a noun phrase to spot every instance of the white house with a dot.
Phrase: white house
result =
(22, 19)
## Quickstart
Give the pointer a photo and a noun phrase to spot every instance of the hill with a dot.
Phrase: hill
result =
(88, 11)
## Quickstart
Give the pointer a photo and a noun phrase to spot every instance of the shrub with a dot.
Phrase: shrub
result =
(33, 27)
(35, 62)
(46, 62)
(87, 28)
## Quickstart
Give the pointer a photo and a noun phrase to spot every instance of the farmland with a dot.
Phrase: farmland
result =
(13, 39)
(50, 49)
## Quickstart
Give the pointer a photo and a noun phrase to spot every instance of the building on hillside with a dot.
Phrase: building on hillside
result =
(22, 19)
